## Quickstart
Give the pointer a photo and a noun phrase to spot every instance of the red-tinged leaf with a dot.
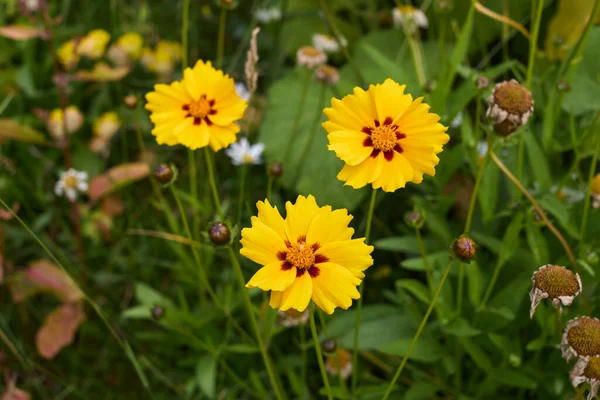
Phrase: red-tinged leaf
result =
(43, 276)
(59, 329)
(14, 393)
(103, 72)
(20, 32)
(11, 130)
(117, 177)
(5, 215)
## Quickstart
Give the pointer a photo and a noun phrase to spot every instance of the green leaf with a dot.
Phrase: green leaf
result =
(206, 375)
(476, 353)
(474, 282)
(537, 244)
(559, 210)
(426, 349)
(418, 263)
(537, 160)
(587, 267)
(461, 328)
(510, 241)
(400, 244)
(416, 288)
(242, 348)
(513, 378)
(488, 192)
(421, 391)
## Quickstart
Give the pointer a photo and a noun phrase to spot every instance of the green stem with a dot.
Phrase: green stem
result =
(304, 358)
(313, 132)
(244, 43)
(476, 191)
(269, 187)
(418, 333)
(204, 282)
(242, 191)
(184, 33)
(478, 112)
(520, 159)
(221, 38)
(212, 183)
(298, 117)
(460, 289)
(588, 195)
(423, 252)
(313, 329)
(533, 42)
(415, 51)
(337, 35)
(248, 303)
(492, 283)
(276, 55)
(194, 186)
(360, 299)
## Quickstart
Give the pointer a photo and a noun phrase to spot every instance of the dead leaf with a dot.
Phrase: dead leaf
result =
(116, 178)
(59, 329)
(6, 215)
(102, 72)
(11, 130)
(112, 206)
(20, 32)
(43, 276)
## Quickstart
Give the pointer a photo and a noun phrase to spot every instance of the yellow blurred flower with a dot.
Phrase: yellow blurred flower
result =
(147, 58)
(131, 43)
(56, 124)
(308, 255)
(68, 55)
(93, 44)
(163, 62)
(566, 26)
(198, 111)
(107, 125)
(384, 136)
(173, 48)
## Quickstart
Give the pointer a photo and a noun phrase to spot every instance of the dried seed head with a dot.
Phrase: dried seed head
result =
(587, 370)
(164, 173)
(581, 338)
(339, 364)
(311, 57)
(414, 219)
(510, 106)
(293, 317)
(464, 248)
(158, 312)
(329, 346)
(554, 282)
(130, 101)
(219, 233)
(275, 170)
(327, 74)
(482, 82)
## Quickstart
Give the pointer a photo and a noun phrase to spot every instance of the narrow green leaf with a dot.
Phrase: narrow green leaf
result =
(206, 375)
(476, 353)
(510, 241)
(537, 244)
(537, 160)
(416, 288)
(474, 283)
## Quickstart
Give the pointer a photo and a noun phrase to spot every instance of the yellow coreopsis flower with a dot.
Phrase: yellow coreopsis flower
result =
(131, 43)
(198, 111)
(71, 121)
(94, 43)
(68, 55)
(107, 125)
(308, 255)
(173, 48)
(384, 136)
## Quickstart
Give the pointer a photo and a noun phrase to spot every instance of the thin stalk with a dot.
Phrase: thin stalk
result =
(418, 333)
(242, 191)
(304, 357)
(201, 272)
(313, 132)
(415, 51)
(588, 196)
(298, 117)
(248, 303)
(460, 288)
(269, 187)
(313, 329)
(337, 36)
(212, 183)
(276, 55)
(360, 299)
(476, 191)
(194, 186)
(244, 43)
(221, 38)
(520, 159)
(423, 252)
(478, 112)
(442, 38)
(185, 23)
(533, 42)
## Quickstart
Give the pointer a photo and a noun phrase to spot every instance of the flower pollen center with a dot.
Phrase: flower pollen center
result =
(384, 138)
(71, 182)
(310, 51)
(592, 370)
(557, 281)
(248, 158)
(301, 256)
(199, 108)
(584, 337)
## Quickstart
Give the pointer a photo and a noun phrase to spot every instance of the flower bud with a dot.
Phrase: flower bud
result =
(219, 233)
(554, 282)
(464, 248)
(293, 317)
(311, 57)
(563, 86)
(581, 338)
(510, 106)
(327, 74)
(275, 170)
(164, 173)
(130, 101)
(414, 219)
(329, 346)
(482, 82)
(158, 312)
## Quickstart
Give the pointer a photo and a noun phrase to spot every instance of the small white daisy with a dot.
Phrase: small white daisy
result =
(311, 57)
(410, 17)
(241, 90)
(457, 120)
(327, 43)
(266, 15)
(70, 183)
(241, 152)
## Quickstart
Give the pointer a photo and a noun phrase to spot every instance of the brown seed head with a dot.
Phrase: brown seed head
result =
(464, 248)
(219, 233)
(512, 97)
(556, 281)
(327, 74)
(275, 170)
(581, 338)
(158, 312)
(163, 173)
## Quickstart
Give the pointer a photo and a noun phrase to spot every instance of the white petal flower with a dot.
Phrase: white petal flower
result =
(327, 43)
(71, 183)
(266, 15)
(409, 17)
(242, 152)
(242, 91)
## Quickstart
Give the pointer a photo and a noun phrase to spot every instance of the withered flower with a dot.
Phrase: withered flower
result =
(581, 338)
(587, 370)
(510, 106)
(554, 282)
(293, 317)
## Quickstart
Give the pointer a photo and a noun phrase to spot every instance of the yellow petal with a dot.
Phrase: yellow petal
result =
(348, 146)
(390, 99)
(275, 299)
(354, 255)
(260, 243)
(395, 174)
(195, 136)
(271, 217)
(334, 287)
(364, 173)
(272, 277)
(222, 136)
(299, 216)
(298, 294)
(329, 226)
